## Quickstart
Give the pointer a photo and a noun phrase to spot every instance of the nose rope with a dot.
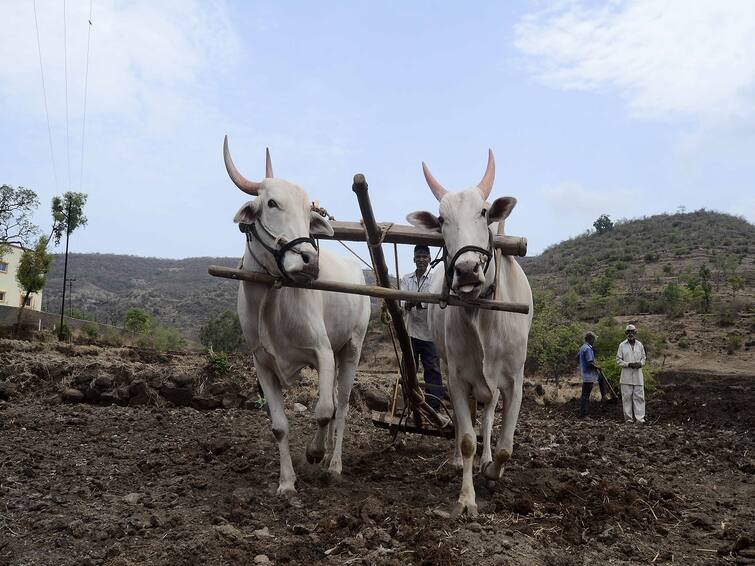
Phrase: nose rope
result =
(279, 251)
(448, 267)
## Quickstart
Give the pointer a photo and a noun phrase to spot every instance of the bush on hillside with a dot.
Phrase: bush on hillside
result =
(138, 321)
(222, 333)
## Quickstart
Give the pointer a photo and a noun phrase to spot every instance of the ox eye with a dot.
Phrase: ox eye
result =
(441, 220)
(484, 212)
(272, 204)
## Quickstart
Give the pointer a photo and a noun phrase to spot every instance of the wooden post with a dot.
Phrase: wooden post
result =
(374, 242)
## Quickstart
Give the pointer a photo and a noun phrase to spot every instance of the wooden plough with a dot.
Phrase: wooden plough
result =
(416, 411)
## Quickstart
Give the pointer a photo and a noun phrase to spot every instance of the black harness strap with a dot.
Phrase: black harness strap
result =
(279, 253)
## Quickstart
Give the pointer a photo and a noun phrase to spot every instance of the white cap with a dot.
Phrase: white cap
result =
(630, 327)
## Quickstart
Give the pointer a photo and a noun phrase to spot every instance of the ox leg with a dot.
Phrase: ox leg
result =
(325, 406)
(348, 358)
(274, 396)
(467, 446)
(512, 402)
(488, 415)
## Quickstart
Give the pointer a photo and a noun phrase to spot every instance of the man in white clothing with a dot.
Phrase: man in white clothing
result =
(419, 330)
(630, 358)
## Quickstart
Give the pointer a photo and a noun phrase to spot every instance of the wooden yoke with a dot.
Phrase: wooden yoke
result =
(374, 242)
(404, 234)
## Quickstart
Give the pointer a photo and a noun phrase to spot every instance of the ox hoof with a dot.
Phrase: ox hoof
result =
(489, 471)
(315, 456)
(334, 476)
(286, 491)
(459, 508)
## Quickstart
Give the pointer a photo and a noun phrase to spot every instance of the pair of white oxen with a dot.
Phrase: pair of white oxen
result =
(482, 351)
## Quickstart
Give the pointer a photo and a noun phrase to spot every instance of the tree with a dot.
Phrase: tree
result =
(68, 215)
(32, 271)
(16, 207)
(222, 333)
(737, 284)
(603, 224)
(137, 320)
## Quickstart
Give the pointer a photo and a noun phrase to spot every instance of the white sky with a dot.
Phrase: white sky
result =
(628, 108)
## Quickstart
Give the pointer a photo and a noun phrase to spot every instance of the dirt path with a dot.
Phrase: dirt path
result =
(85, 484)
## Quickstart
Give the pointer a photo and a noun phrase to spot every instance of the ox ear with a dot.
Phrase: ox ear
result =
(247, 214)
(318, 224)
(424, 219)
(500, 209)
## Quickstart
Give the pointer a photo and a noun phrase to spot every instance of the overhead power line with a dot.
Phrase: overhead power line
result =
(44, 96)
(65, 72)
(86, 82)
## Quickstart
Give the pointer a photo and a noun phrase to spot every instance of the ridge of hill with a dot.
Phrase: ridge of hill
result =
(622, 272)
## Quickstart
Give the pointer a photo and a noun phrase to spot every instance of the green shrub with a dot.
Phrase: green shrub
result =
(222, 333)
(612, 372)
(90, 330)
(218, 362)
(112, 338)
(733, 342)
(65, 332)
(162, 338)
(137, 320)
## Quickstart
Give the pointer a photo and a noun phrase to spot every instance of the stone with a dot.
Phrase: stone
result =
(183, 380)
(7, 390)
(132, 498)
(261, 559)
(442, 514)
(229, 532)
(205, 403)
(138, 388)
(104, 382)
(77, 528)
(71, 395)
(112, 398)
(231, 402)
(474, 527)
(301, 530)
(82, 379)
(179, 396)
(264, 532)
(299, 408)
(243, 495)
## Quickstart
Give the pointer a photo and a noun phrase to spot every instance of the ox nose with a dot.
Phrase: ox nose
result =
(468, 269)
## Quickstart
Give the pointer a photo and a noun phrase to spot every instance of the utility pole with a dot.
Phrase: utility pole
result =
(65, 271)
(70, 295)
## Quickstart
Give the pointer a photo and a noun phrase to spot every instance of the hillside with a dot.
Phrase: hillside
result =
(627, 269)
(177, 292)
(626, 272)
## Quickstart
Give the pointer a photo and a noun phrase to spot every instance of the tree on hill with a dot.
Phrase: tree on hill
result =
(32, 271)
(603, 224)
(222, 333)
(16, 207)
(138, 321)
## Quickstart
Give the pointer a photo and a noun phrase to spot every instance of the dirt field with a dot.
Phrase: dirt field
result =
(94, 482)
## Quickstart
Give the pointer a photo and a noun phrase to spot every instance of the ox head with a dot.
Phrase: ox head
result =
(280, 214)
(464, 221)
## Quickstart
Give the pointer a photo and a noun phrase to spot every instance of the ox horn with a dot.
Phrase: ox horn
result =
(486, 185)
(249, 187)
(268, 164)
(435, 186)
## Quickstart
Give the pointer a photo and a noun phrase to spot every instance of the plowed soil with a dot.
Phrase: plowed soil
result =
(97, 483)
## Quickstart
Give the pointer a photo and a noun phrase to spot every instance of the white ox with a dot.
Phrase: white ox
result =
(290, 328)
(482, 351)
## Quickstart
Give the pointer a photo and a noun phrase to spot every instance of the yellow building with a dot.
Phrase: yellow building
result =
(11, 294)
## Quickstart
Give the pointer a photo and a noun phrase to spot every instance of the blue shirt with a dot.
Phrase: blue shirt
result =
(587, 355)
